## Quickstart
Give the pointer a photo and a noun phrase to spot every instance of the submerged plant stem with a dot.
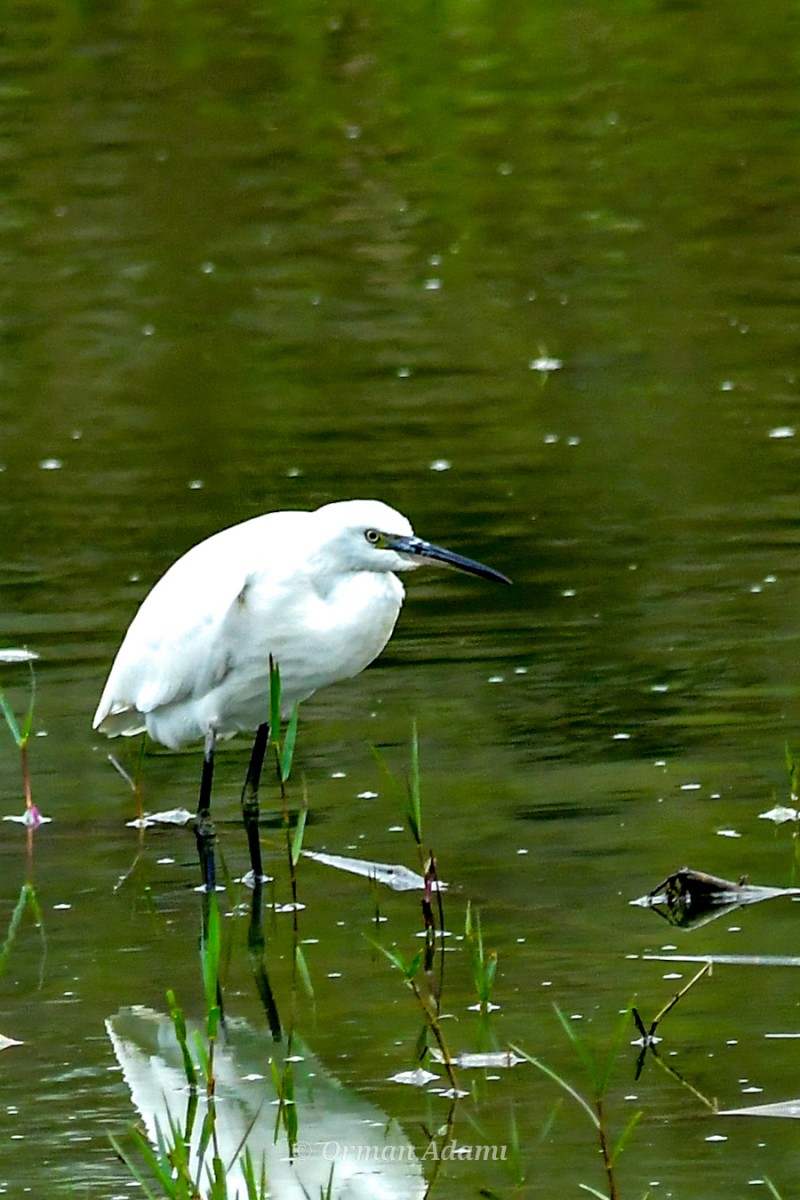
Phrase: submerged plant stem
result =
(26, 776)
(605, 1149)
(433, 1024)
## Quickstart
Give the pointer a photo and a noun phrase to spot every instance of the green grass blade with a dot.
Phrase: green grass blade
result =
(484, 966)
(133, 1167)
(219, 1187)
(277, 1084)
(580, 1048)
(407, 797)
(562, 1083)
(397, 960)
(299, 832)
(27, 724)
(297, 838)
(394, 956)
(161, 1162)
(328, 1193)
(203, 1060)
(617, 1040)
(303, 972)
(254, 1191)
(206, 1136)
(274, 699)
(179, 1025)
(517, 1164)
(290, 1112)
(31, 898)
(11, 720)
(13, 924)
(487, 980)
(622, 1140)
(212, 1021)
(210, 954)
(413, 967)
(290, 737)
(391, 779)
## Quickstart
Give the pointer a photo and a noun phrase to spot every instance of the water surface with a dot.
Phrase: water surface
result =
(528, 274)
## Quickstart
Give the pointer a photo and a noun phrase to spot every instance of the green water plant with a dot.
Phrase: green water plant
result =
(27, 900)
(513, 1161)
(484, 966)
(793, 769)
(166, 1171)
(410, 971)
(409, 798)
(286, 1116)
(170, 1170)
(282, 744)
(599, 1070)
(647, 1035)
(21, 733)
(268, 735)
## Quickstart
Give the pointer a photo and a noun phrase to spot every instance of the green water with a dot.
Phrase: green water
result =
(261, 256)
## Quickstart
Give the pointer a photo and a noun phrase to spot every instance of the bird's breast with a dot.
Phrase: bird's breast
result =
(320, 636)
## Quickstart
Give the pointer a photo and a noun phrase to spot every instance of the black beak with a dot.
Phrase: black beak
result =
(416, 548)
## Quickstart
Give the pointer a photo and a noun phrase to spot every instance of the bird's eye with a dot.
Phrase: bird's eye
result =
(373, 537)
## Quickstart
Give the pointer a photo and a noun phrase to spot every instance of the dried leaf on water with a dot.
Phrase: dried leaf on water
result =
(170, 816)
(393, 875)
(782, 1108)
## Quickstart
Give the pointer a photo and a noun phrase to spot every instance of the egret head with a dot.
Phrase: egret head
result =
(374, 537)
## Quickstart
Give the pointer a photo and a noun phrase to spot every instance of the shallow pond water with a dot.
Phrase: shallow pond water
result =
(528, 274)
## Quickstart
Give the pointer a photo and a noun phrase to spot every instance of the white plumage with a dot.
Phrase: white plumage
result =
(315, 590)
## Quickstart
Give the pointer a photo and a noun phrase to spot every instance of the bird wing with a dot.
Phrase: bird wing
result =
(179, 643)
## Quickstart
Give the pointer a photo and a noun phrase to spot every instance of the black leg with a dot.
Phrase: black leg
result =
(256, 949)
(250, 810)
(204, 826)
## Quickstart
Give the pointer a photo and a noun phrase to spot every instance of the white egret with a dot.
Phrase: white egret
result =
(315, 591)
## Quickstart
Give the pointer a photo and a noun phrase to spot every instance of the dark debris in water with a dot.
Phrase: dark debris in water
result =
(688, 897)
